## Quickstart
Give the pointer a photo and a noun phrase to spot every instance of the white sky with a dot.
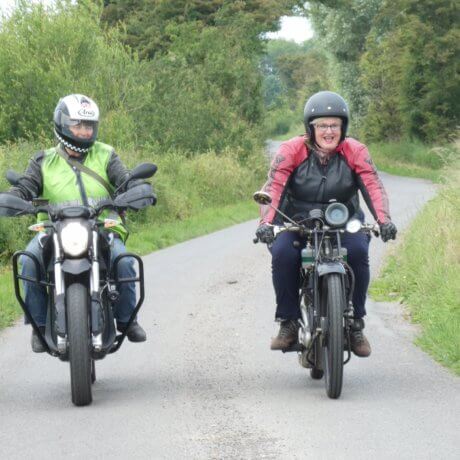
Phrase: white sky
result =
(294, 28)
(7, 5)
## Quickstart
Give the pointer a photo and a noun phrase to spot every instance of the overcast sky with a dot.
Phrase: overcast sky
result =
(293, 28)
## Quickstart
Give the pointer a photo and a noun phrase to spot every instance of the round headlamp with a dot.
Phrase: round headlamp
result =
(336, 214)
(74, 239)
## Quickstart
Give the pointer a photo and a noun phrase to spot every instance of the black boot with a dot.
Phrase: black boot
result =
(359, 344)
(37, 346)
(135, 332)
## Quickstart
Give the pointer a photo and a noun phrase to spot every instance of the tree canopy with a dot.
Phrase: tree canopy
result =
(396, 61)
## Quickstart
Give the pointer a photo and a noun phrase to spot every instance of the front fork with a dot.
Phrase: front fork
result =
(59, 300)
(307, 337)
(97, 318)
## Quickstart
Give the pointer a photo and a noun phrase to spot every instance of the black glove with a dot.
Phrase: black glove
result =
(265, 233)
(388, 231)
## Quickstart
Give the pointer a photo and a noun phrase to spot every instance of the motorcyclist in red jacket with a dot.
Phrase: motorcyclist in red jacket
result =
(308, 171)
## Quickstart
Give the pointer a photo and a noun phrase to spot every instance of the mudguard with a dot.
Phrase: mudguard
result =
(325, 268)
(76, 266)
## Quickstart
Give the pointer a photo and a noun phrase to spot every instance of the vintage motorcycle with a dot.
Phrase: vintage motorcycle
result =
(326, 289)
(80, 279)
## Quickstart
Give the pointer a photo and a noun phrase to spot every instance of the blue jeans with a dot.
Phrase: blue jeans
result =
(36, 297)
(286, 272)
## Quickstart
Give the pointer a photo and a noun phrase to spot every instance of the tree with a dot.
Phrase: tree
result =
(342, 27)
(145, 22)
(410, 71)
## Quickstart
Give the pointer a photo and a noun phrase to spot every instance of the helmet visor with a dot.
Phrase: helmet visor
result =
(81, 133)
(66, 121)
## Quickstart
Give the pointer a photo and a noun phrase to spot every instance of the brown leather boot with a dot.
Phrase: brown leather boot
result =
(359, 344)
(287, 335)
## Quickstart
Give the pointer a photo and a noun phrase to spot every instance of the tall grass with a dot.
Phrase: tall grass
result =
(425, 274)
(412, 159)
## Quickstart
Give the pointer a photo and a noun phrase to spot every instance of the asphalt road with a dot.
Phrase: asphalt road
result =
(206, 385)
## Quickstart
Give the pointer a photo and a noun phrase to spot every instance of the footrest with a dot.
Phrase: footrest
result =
(294, 347)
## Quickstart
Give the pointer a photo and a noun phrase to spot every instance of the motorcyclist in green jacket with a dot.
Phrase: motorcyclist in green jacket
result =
(49, 176)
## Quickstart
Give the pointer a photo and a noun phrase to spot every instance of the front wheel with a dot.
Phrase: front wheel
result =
(79, 344)
(333, 345)
(93, 371)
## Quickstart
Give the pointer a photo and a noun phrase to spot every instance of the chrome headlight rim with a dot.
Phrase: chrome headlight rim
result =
(74, 237)
(336, 214)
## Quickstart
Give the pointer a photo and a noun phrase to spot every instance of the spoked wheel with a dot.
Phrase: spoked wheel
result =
(333, 346)
(79, 344)
(93, 371)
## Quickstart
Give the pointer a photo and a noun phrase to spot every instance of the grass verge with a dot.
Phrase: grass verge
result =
(10, 309)
(148, 239)
(424, 274)
(412, 159)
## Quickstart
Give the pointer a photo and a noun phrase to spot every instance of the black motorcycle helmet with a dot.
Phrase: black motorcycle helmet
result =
(70, 111)
(325, 104)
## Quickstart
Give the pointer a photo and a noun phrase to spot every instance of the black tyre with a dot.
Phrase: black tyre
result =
(79, 344)
(93, 371)
(333, 344)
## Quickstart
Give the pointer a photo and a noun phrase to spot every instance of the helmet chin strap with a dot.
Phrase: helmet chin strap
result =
(69, 145)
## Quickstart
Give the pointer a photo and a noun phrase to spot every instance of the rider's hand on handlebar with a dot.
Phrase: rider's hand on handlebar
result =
(265, 233)
(388, 231)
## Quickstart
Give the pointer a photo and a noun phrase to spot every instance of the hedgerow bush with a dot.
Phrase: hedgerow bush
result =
(202, 93)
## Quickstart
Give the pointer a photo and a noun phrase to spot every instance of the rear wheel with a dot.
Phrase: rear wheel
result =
(79, 344)
(333, 344)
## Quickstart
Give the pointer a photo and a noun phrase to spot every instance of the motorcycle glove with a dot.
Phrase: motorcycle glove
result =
(265, 233)
(388, 231)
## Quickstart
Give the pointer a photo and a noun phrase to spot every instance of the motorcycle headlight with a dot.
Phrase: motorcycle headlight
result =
(353, 226)
(74, 239)
(336, 214)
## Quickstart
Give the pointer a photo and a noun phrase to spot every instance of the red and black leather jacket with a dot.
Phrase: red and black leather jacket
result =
(298, 182)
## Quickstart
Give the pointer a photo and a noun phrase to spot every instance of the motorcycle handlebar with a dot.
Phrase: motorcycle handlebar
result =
(303, 231)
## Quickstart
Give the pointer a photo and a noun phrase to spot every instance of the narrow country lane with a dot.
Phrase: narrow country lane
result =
(206, 386)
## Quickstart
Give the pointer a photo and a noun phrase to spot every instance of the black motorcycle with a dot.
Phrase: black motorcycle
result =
(326, 289)
(80, 279)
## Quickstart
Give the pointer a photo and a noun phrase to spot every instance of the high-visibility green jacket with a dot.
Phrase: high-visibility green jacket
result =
(50, 177)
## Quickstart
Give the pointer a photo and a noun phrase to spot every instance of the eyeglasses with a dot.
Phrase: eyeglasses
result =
(323, 127)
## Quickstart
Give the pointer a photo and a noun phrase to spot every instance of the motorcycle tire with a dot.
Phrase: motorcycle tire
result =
(333, 347)
(79, 344)
(93, 371)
